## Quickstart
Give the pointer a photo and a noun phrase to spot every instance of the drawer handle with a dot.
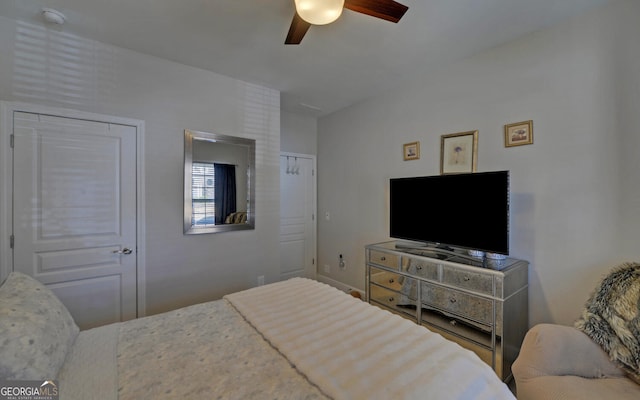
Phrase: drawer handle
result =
(383, 258)
(453, 322)
(466, 278)
(452, 300)
(391, 299)
(391, 280)
(419, 267)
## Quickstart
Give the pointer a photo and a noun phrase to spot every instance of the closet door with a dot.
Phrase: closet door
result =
(297, 216)
(74, 213)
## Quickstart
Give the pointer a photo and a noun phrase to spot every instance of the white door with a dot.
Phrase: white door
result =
(297, 216)
(74, 213)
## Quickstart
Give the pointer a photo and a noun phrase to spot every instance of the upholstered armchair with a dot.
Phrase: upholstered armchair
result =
(598, 358)
(560, 362)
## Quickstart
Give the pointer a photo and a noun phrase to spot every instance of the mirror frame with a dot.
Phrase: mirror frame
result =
(250, 144)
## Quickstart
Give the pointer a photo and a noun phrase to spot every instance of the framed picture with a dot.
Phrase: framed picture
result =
(518, 134)
(411, 151)
(459, 152)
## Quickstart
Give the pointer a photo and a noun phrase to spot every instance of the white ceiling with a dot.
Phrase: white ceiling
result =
(335, 65)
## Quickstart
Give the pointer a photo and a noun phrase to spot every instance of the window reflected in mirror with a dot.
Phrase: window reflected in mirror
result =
(219, 173)
(202, 194)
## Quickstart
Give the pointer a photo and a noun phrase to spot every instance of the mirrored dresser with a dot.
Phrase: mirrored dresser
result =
(480, 303)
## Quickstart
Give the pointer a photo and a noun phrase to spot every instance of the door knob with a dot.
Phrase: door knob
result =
(123, 251)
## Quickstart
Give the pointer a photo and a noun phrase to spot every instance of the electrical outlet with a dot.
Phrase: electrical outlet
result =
(261, 280)
(327, 269)
(341, 262)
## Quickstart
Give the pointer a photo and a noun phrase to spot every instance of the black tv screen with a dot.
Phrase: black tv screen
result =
(469, 211)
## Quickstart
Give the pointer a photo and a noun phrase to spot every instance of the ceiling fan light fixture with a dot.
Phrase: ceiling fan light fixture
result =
(53, 16)
(319, 12)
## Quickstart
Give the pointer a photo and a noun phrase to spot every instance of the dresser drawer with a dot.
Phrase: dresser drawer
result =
(406, 313)
(387, 279)
(459, 303)
(422, 268)
(396, 301)
(384, 259)
(475, 281)
(471, 331)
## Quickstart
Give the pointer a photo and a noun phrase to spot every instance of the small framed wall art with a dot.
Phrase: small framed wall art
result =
(411, 151)
(518, 134)
(459, 152)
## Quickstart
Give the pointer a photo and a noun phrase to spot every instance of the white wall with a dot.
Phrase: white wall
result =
(575, 193)
(627, 78)
(53, 68)
(299, 133)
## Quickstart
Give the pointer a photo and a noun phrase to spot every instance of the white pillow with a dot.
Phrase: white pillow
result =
(36, 330)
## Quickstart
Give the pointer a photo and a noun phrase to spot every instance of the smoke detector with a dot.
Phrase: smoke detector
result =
(53, 16)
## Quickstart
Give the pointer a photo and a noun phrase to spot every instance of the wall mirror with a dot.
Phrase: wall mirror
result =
(219, 183)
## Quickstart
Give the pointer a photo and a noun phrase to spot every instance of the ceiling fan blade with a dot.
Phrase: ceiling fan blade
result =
(297, 30)
(386, 9)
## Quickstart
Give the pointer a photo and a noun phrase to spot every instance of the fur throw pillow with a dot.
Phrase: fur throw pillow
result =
(611, 317)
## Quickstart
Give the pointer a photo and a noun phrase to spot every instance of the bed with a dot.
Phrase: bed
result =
(296, 339)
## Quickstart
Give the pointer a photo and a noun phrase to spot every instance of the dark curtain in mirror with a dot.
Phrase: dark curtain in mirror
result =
(225, 191)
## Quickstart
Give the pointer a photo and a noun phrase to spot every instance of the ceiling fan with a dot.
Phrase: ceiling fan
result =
(322, 12)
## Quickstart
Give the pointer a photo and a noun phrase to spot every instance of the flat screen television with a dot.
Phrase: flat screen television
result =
(469, 211)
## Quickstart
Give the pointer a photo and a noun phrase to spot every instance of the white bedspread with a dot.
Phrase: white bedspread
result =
(90, 370)
(352, 350)
(205, 351)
